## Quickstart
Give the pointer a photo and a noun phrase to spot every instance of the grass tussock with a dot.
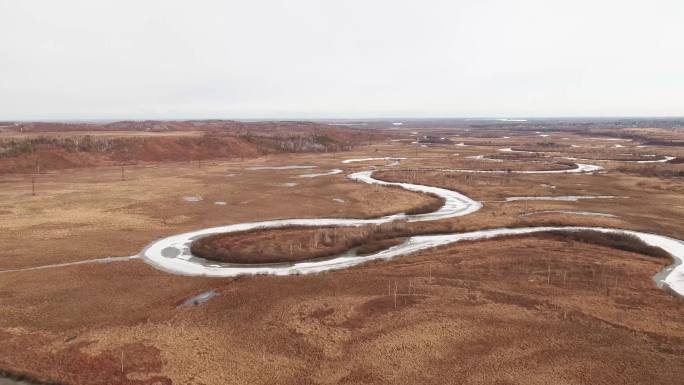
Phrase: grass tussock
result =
(427, 207)
(623, 242)
(431, 203)
(657, 170)
(376, 245)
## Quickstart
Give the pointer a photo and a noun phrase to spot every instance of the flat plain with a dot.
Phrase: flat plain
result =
(533, 309)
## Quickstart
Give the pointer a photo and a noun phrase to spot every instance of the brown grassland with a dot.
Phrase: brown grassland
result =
(287, 244)
(538, 309)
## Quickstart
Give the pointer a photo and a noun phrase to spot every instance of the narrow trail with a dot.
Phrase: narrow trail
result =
(65, 264)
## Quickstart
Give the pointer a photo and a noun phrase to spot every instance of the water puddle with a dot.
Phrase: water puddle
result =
(199, 299)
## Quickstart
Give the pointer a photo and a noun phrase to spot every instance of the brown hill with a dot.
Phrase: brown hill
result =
(216, 140)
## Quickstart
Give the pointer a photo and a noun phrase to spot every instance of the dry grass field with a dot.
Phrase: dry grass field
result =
(88, 213)
(535, 309)
(486, 312)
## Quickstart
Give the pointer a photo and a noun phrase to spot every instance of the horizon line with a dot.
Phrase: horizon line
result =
(504, 118)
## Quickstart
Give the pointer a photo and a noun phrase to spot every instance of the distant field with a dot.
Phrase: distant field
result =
(104, 134)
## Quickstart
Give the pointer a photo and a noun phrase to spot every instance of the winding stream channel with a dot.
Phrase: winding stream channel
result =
(172, 254)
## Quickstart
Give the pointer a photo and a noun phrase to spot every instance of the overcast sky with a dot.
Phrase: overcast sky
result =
(340, 59)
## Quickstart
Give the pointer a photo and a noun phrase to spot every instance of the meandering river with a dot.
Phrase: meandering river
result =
(172, 254)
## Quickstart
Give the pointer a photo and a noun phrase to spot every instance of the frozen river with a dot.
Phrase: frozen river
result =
(172, 254)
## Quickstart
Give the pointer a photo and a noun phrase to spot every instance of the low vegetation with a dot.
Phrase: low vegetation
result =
(655, 170)
(430, 206)
(545, 146)
(556, 293)
(623, 242)
(670, 143)
(296, 243)
(518, 156)
(376, 245)
(428, 139)
(51, 150)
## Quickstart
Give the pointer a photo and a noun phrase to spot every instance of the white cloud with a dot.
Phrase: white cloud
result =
(306, 58)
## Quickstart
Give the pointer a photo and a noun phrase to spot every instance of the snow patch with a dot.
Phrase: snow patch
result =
(256, 168)
(584, 213)
(566, 198)
(331, 172)
(581, 168)
(347, 161)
